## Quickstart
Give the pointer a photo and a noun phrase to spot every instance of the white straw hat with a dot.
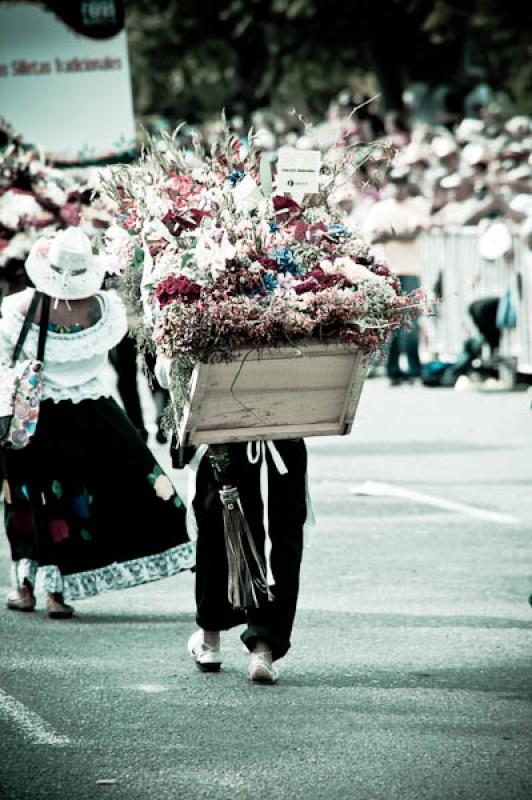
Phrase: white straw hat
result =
(65, 266)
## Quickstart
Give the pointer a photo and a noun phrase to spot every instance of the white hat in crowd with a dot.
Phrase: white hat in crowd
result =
(469, 130)
(443, 146)
(65, 267)
(456, 179)
(495, 242)
(475, 153)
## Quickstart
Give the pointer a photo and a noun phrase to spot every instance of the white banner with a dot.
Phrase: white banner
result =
(61, 90)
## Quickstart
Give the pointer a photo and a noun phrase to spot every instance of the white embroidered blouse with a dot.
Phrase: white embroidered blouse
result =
(73, 362)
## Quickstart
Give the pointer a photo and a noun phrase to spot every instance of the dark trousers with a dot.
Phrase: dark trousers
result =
(484, 315)
(123, 357)
(405, 341)
(287, 509)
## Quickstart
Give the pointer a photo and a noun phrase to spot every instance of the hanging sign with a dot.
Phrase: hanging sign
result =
(298, 171)
(64, 77)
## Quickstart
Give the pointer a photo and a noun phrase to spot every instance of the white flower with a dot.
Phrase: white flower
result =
(166, 263)
(156, 203)
(246, 194)
(355, 273)
(118, 249)
(210, 256)
(19, 246)
(15, 206)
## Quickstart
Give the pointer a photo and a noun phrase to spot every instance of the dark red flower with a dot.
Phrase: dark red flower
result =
(267, 263)
(286, 208)
(175, 221)
(380, 269)
(313, 233)
(177, 288)
(316, 280)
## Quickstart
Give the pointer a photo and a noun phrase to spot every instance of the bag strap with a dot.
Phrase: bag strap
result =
(27, 324)
(43, 327)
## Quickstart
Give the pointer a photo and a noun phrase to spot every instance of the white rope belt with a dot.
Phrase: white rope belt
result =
(256, 452)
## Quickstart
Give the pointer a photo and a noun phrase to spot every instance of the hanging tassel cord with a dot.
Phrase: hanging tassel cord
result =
(247, 577)
(247, 574)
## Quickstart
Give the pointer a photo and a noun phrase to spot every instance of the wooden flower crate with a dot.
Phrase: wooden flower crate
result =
(309, 390)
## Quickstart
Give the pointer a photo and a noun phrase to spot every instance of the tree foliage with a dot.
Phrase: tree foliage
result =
(189, 59)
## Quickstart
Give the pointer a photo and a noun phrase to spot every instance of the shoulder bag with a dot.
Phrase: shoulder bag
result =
(21, 383)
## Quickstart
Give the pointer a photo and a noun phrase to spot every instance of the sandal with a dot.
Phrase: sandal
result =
(206, 656)
(57, 608)
(21, 599)
(261, 669)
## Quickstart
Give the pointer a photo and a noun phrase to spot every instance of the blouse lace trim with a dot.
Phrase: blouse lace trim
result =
(61, 348)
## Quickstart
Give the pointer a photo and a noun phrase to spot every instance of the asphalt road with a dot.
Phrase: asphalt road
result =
(411, 669)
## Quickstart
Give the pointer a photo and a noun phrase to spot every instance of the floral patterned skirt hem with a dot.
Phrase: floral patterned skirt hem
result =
(118, 575)
(88, 506)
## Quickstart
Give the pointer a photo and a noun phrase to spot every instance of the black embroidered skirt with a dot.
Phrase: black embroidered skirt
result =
(87, 501)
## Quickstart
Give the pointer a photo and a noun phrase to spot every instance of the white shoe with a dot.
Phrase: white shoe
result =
(206, 656)
(261, 669)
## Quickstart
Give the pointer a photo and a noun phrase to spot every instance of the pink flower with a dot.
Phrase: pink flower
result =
(59, 530)
(181, 189)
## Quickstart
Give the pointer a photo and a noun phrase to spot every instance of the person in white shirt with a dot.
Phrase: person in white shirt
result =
(394, 224)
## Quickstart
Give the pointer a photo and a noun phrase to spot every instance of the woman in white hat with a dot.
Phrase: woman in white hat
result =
(85, 500)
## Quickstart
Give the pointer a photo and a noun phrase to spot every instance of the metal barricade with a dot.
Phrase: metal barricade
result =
(454, 274)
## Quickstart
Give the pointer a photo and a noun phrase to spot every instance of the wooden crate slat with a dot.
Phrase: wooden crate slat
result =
(272, 432)
(256, 408)
(281, 393)
(352, 396)
(306, 371)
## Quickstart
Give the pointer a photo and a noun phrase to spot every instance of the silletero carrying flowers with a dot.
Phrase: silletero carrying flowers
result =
(225, 259)
(227, 256)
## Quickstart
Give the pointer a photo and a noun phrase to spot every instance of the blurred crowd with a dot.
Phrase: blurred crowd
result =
(468, 175)
(411, 178)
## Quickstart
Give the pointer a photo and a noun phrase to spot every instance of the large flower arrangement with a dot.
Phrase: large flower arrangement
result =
(37, 199)
(224, 260)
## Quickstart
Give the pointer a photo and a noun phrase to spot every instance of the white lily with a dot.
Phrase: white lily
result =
(247, 195)
(211, 256)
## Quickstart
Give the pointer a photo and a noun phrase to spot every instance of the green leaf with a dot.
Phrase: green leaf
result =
(266, 175)
(155, 473)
